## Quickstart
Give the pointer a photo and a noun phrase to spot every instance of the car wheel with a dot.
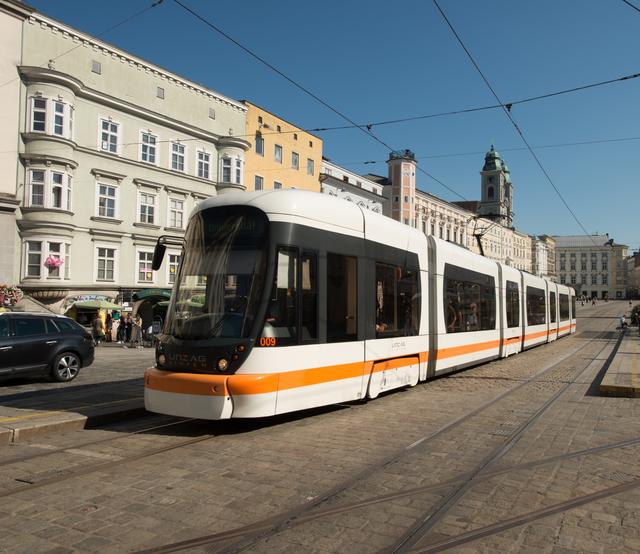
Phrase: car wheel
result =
(65, 367)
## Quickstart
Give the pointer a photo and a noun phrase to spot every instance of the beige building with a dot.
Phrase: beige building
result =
(112, 152)
(281, 155)
(593, 264)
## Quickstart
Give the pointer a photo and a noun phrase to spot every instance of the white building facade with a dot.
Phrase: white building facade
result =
(342, 183)
(112, 152)
(592, 264)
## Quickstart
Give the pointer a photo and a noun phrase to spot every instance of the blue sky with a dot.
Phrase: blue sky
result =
(376, 60)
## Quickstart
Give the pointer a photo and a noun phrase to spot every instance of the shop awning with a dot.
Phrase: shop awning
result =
(152, 294)
(96, 305)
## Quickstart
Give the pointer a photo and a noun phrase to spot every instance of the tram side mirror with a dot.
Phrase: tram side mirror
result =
(158, 255)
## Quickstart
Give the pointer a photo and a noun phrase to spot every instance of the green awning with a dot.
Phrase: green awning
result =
(151, 294)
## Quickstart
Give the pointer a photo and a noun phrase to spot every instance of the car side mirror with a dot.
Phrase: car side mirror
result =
(158, 255)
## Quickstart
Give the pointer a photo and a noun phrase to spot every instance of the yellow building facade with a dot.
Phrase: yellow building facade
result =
(281, 155)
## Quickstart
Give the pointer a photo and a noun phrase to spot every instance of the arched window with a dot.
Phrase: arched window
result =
(490, 193)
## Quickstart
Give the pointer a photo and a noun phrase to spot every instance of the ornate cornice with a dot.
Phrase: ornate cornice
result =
(78, 38)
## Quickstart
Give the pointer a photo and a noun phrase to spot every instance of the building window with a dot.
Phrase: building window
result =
(310, 168)
(441, 231)
(295, 136)
(295, 160)
(177, 156)
(204, 164)
(96, 67)
(278, 153)
(226, 170)
(605, 279)
(238, 180)
(148, 148)
(106, 201)
(448, 234)
(145, 273)
(583, 265)
(34, 258)
(433, 229)
(106, 264)
(573, 265)
(278, 128)
(109, 136)
(562, 265)
(277, 185)
(594, 279)
(594, 264)
(57, 190)
(605, 264)
(176, 213)
(39, 115)
(258, 183)
(212, 113)
(58, 119)
(563, 279)
(259, 144)
(260, 119)
(573, 279)
(37, 188)
(147, 207)
(174, 262)
(160, 93)
(310, 144)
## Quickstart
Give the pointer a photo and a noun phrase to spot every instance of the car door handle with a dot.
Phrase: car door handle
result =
(5, 348)
(52, 342)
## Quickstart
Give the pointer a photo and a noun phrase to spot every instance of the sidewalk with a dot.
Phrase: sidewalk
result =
(623, 375)
(111, 389)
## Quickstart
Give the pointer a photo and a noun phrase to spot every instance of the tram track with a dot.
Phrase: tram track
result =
(267, 524)
(412, 538)
(252, 534)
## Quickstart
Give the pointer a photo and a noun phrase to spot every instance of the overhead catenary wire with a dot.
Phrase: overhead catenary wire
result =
(632, 5)
(512, 120)
(364, 128)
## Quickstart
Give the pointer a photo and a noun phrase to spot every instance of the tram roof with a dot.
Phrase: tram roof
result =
(309, 205)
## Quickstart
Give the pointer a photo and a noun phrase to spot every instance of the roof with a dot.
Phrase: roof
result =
(581, 241)
(377, 179)
(469, 205)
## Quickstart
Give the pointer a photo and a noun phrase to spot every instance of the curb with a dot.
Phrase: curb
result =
(35, 424)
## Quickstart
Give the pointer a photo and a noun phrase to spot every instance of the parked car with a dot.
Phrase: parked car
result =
(33, 344)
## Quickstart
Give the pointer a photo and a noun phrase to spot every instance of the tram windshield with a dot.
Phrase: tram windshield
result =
(221, 277)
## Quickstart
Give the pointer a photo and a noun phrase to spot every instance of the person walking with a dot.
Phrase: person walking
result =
(109, 326)
(136, 332)
(97, 330)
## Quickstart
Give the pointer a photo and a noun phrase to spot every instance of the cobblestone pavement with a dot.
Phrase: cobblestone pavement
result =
(327, 470)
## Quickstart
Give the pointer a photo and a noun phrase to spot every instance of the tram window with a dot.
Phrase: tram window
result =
(573, 306)
(564, 307)
(552, 307)
(513, 304)
(469, 300)
(342, 298)
(282, 312)
(536, 306)
(309, 297)
(397, 301)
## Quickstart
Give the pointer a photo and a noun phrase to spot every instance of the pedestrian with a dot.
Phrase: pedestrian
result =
(136, 332)
(128, 324)
(97, 330)
(623, 322)
(109, 326)
(120, 331)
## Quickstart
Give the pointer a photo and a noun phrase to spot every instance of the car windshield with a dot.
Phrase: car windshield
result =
(221, 276)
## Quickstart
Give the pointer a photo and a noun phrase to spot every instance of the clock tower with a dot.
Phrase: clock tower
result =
(402, 174)
(496, 201)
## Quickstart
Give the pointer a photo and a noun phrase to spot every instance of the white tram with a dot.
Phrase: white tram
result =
(289, 300)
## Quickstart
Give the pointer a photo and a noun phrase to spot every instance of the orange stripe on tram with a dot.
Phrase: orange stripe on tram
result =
(224, 385)
(466, 349)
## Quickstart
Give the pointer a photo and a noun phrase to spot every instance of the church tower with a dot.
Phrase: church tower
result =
(496, 202)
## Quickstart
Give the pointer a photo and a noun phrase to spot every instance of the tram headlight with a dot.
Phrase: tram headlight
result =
(223, 364)
(162, 359)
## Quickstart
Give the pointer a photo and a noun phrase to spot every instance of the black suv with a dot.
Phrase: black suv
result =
(43, 343)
